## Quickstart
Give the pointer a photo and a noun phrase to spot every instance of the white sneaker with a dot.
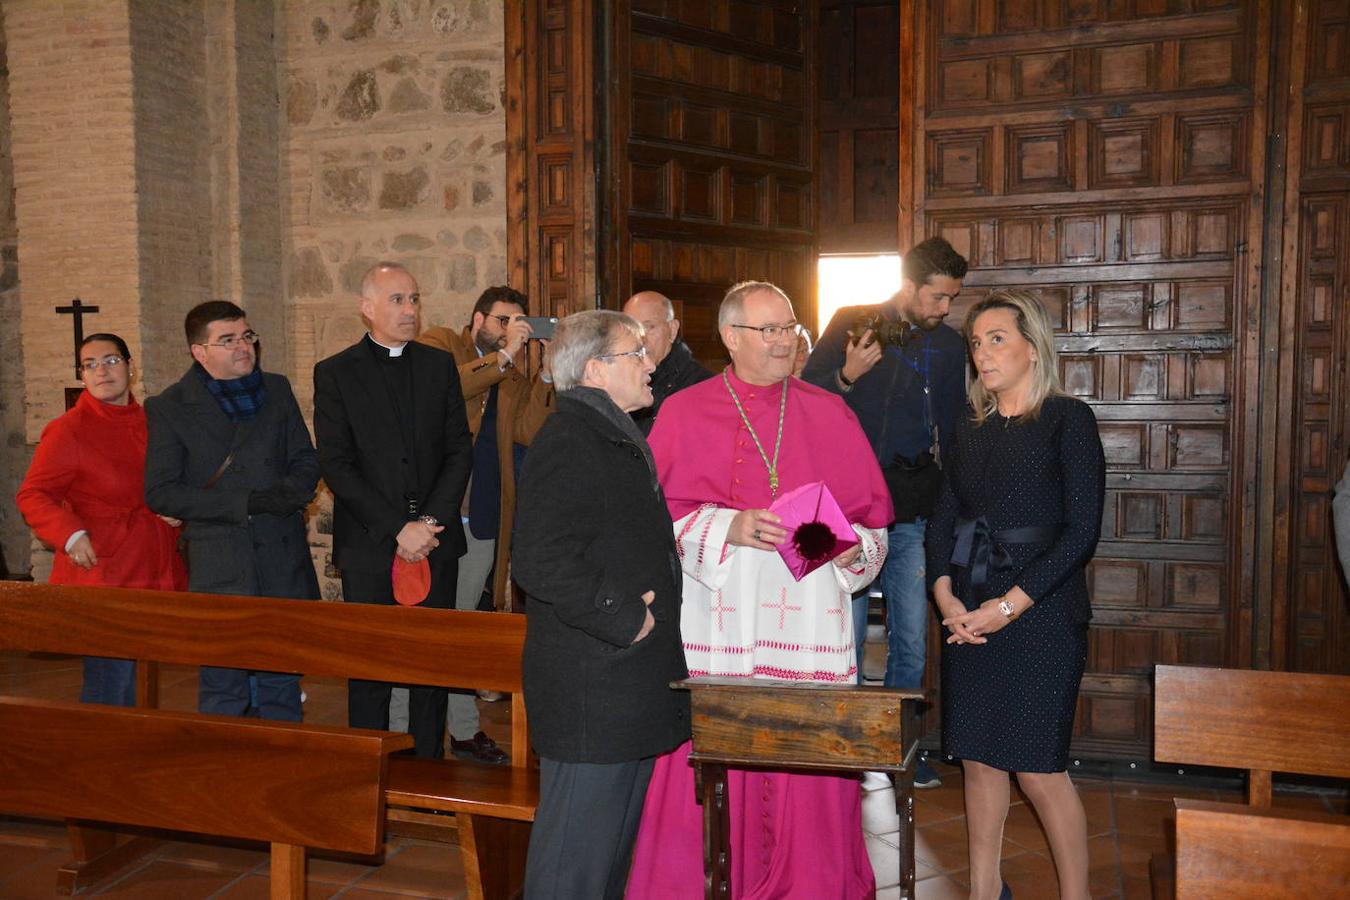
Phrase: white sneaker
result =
(876, 781)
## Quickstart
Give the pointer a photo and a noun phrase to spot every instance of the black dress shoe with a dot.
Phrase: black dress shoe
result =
(481, 749)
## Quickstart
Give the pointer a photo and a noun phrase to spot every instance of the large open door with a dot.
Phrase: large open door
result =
(710, 155)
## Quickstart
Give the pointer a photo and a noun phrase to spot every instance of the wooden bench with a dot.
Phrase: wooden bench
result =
(493, 806)
(1230, 851)
(1263, 722)
(294, 786)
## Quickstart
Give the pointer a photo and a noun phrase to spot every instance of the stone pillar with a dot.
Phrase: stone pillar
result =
(245, 129)
(175, 237)
(145, 155)
(14, 539)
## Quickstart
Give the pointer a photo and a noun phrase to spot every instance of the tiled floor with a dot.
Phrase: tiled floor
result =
(1126, 825)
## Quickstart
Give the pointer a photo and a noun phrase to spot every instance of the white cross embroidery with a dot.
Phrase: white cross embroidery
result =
(783, 608)
(720, 608)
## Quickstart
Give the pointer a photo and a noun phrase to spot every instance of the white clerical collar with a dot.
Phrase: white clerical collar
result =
(394, 352)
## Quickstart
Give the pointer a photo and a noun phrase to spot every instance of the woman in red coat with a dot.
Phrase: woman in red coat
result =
(84, 495)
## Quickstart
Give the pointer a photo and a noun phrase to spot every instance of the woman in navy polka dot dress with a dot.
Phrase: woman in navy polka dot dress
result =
(1008, 544)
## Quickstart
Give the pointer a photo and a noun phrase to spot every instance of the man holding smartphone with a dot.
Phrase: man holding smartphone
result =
(505, 404)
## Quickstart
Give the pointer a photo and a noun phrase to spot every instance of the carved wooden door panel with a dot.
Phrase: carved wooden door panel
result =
(1311, 628)
(550, 126)
(1315, 621)
(1109, 155)
(710, 155)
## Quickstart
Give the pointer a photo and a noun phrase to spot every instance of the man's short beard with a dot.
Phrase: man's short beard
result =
(488, 344)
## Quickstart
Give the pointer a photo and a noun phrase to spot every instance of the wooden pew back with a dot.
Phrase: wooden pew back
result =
(1229, 851)
(1260, 721)
(191, 772)
(349, 640)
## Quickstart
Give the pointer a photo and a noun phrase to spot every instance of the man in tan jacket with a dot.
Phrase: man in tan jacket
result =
(503, 394)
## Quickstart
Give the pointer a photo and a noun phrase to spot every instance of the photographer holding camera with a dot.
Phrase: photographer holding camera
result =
(902, 372)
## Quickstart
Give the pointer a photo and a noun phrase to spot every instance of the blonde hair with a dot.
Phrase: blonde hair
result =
(1034, 325)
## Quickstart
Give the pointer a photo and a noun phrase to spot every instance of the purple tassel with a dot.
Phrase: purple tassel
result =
(813, 540)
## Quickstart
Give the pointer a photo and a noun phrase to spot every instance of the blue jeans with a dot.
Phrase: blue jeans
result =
(903, 583)
(225, 692)
(109, 681)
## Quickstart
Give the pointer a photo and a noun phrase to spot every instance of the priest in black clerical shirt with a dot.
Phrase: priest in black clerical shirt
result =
(393, 445)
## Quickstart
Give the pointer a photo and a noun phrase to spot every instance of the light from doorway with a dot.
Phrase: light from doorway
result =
(850, 280)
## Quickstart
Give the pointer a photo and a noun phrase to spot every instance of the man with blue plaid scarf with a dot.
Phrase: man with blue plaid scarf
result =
(229, 454)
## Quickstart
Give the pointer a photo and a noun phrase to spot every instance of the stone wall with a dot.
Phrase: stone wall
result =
(394, 148)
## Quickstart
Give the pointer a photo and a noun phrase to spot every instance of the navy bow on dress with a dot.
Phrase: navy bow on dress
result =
(980, 548)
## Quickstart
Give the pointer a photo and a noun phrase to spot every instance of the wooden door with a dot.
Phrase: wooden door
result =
(858, 120)
(710, 155)
(551, 204)
(1310, 622)
(1110, 155)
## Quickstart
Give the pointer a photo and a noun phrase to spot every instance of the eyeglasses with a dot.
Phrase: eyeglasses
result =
(229, 343)
(505, 320)
(639, 354)
(772, 333)
(112, 361)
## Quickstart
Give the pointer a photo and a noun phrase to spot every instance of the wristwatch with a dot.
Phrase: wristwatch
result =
(428, 520)
(1005, 606)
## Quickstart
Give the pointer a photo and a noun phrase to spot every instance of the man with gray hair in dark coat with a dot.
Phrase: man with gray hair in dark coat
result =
(595, 554)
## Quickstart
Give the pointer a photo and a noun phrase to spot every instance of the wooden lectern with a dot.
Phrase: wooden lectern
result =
(747, 723)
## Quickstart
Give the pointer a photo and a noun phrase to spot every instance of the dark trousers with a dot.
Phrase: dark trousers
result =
(109, 681)
(581, 844)
(368, 701)
(225, 692)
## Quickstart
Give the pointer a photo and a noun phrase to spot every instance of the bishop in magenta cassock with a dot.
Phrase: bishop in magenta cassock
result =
(724, 450)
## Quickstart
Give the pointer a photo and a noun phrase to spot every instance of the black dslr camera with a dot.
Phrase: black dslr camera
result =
(914, 485)
(887, 332)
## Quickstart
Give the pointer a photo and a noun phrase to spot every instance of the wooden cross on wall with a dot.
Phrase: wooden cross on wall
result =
(79, 311)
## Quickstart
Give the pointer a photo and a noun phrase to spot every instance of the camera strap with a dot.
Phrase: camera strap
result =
(925, 371)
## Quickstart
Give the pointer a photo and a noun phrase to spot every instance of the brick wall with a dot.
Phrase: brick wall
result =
(73, 155)
(73, 148)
